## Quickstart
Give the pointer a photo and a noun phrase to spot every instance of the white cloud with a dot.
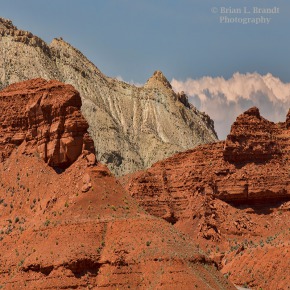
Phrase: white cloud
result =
(223, 100)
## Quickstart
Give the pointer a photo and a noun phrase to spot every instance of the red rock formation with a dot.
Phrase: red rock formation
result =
(252, 164)
(78, 229)
(47, 116)
(252, 139)
(226, 190)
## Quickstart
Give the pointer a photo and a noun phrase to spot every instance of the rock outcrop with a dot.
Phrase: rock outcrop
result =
(252, 139)
(46, 115)
(78, 228)
(131, 127)
(252, 164)
(231, 195)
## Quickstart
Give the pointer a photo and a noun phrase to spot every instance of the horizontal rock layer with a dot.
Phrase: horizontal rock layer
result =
(230, 197)
(46, 116)
(80, 230)
(251, 165)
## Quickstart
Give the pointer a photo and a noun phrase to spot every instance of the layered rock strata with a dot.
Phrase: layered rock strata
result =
(46, 115)
(251, 165)
(132, 127)
(232, 197)
(78, 228)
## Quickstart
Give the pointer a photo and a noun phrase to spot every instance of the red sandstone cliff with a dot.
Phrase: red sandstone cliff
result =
(77, 228)
(229, 195)
(252, 164)
(46, 115)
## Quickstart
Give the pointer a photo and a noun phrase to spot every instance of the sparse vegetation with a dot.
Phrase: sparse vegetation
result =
(47, 222)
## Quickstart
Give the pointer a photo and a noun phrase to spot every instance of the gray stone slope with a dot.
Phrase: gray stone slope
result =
(132, 127)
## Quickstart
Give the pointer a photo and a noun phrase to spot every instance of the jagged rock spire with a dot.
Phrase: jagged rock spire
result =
(158, 80)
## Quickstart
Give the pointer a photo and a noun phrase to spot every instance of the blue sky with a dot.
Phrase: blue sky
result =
(183, 38)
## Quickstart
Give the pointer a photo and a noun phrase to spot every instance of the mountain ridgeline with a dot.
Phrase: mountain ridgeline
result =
(132, 127)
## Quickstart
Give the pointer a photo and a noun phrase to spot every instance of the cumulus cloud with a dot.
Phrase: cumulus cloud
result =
(223, 100)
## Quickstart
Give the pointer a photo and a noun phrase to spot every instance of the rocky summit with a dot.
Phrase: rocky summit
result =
(132, 127)
(232, 196)
(78, 228)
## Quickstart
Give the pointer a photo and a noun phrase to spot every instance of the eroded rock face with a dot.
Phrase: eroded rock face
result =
(252, 164)
(46, 116)
(6, 24)
(231, 197)
(79, 229)
(131, 127)
(252, 139)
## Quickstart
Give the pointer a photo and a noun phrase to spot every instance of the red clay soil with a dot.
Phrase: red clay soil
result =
(65, 221)
(230, 197)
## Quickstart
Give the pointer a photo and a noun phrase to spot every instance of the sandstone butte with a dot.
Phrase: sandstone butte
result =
(132, 127)
(65, 221)
(231, 197)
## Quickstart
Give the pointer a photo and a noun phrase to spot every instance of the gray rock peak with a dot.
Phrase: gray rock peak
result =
(132, 127)
(158, 80)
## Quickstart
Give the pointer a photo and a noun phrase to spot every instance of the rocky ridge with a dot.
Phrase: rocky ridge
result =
(78, 228)
(252, 164)
(131, 127)
(232, 195)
